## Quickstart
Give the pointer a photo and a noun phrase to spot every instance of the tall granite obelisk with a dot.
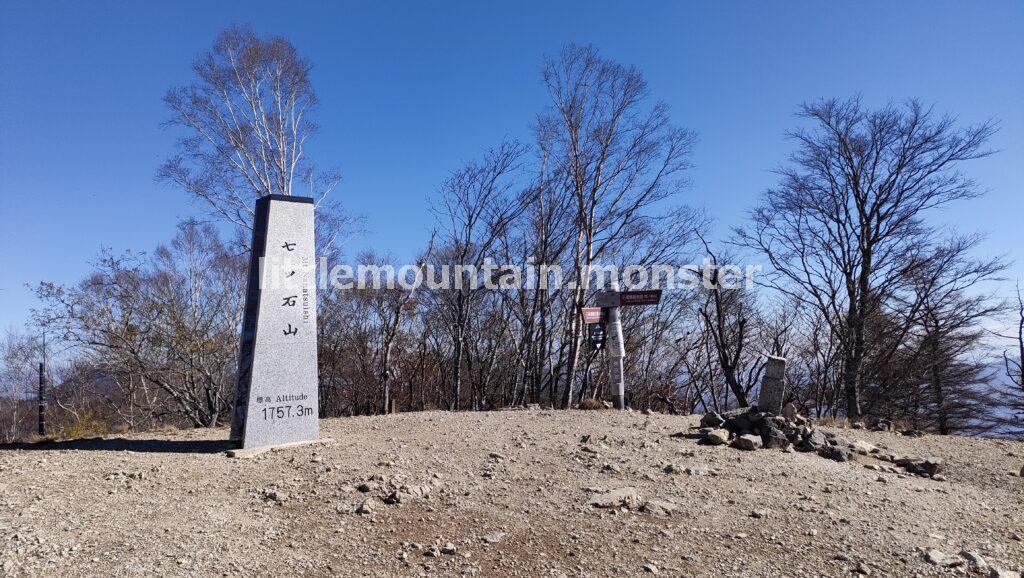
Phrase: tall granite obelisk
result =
(276, 397)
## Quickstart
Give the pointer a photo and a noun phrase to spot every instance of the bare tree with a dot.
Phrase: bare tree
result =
(1012, 394)
(246, 119)
(171, 321)
(847, 219)
(477, 205)
(616, 154)
(19, 356)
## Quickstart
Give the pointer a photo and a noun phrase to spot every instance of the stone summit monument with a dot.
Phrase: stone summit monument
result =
(276, 397)
(773, 385)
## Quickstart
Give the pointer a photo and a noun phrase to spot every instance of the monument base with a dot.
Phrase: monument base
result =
(244, 453)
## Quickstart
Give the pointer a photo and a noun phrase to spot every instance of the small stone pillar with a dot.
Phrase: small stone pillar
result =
(773, 386)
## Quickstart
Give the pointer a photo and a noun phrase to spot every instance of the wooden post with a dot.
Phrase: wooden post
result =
(42, 399)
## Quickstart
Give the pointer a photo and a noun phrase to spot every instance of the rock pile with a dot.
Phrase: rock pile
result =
(749, 429)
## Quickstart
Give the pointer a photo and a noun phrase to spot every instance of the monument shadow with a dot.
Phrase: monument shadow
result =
(128, 445)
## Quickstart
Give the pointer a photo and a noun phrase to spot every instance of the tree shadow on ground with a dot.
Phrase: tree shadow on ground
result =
(128, 445)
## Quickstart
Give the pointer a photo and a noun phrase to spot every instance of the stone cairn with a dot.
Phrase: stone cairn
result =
(750, 429)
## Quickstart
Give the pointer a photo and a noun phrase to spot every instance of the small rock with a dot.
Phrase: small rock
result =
(1000, 573)
(773, 437)
(697, 470)
(494, 537)
(432, 552)
(659, 507)
(863, 448)
(975, 559)
(622, 497)
(926, 467)
(940, 558)
(716, 437)
(712, 420)
(367, 507)
(812, 441)
(760, 513)
(275, 496)
(836, 453)
(650, 568)
(448, 548)
(747, 442)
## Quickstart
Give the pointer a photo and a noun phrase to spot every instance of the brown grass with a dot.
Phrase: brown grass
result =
(592, 404)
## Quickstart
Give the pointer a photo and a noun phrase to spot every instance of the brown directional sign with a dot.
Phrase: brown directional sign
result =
(591, 314)
(652, 297)
(606, 299)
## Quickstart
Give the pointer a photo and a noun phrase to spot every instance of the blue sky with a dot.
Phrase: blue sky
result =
(409, 91)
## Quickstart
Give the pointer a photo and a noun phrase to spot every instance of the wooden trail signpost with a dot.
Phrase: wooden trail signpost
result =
(609, 302)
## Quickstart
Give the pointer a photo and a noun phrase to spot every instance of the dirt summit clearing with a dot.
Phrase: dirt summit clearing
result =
(512, 493)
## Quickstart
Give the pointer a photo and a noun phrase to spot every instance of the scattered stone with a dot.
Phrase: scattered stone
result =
(712, 420)
(739, 423)
(773, 437)
(813, 441)
(975, 559)
(494, 537)
(697, 470)
(659, 507)
(1000, 573)
(940, 558)
(448, 548)
(746, 442)
(836, 453)
(759, 514)
(610, 468)
(627, 497)
(432, 551)
(882, 425)
(926, 467)
(716, 437)
(650, 568)
(367, 507)
(276, 496)
(863, 448)
(939, 478)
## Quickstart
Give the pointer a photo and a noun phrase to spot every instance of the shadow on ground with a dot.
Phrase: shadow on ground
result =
(128, 445)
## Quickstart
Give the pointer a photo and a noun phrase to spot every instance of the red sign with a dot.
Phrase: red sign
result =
(652, 297)
(591, 314)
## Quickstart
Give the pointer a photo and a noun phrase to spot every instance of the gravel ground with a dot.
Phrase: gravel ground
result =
(504, 494)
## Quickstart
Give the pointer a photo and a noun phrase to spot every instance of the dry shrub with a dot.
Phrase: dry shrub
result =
(90, 425)
(592, 404)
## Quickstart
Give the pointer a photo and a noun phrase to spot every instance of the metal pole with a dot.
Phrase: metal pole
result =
(616, 353)
(42, 397)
